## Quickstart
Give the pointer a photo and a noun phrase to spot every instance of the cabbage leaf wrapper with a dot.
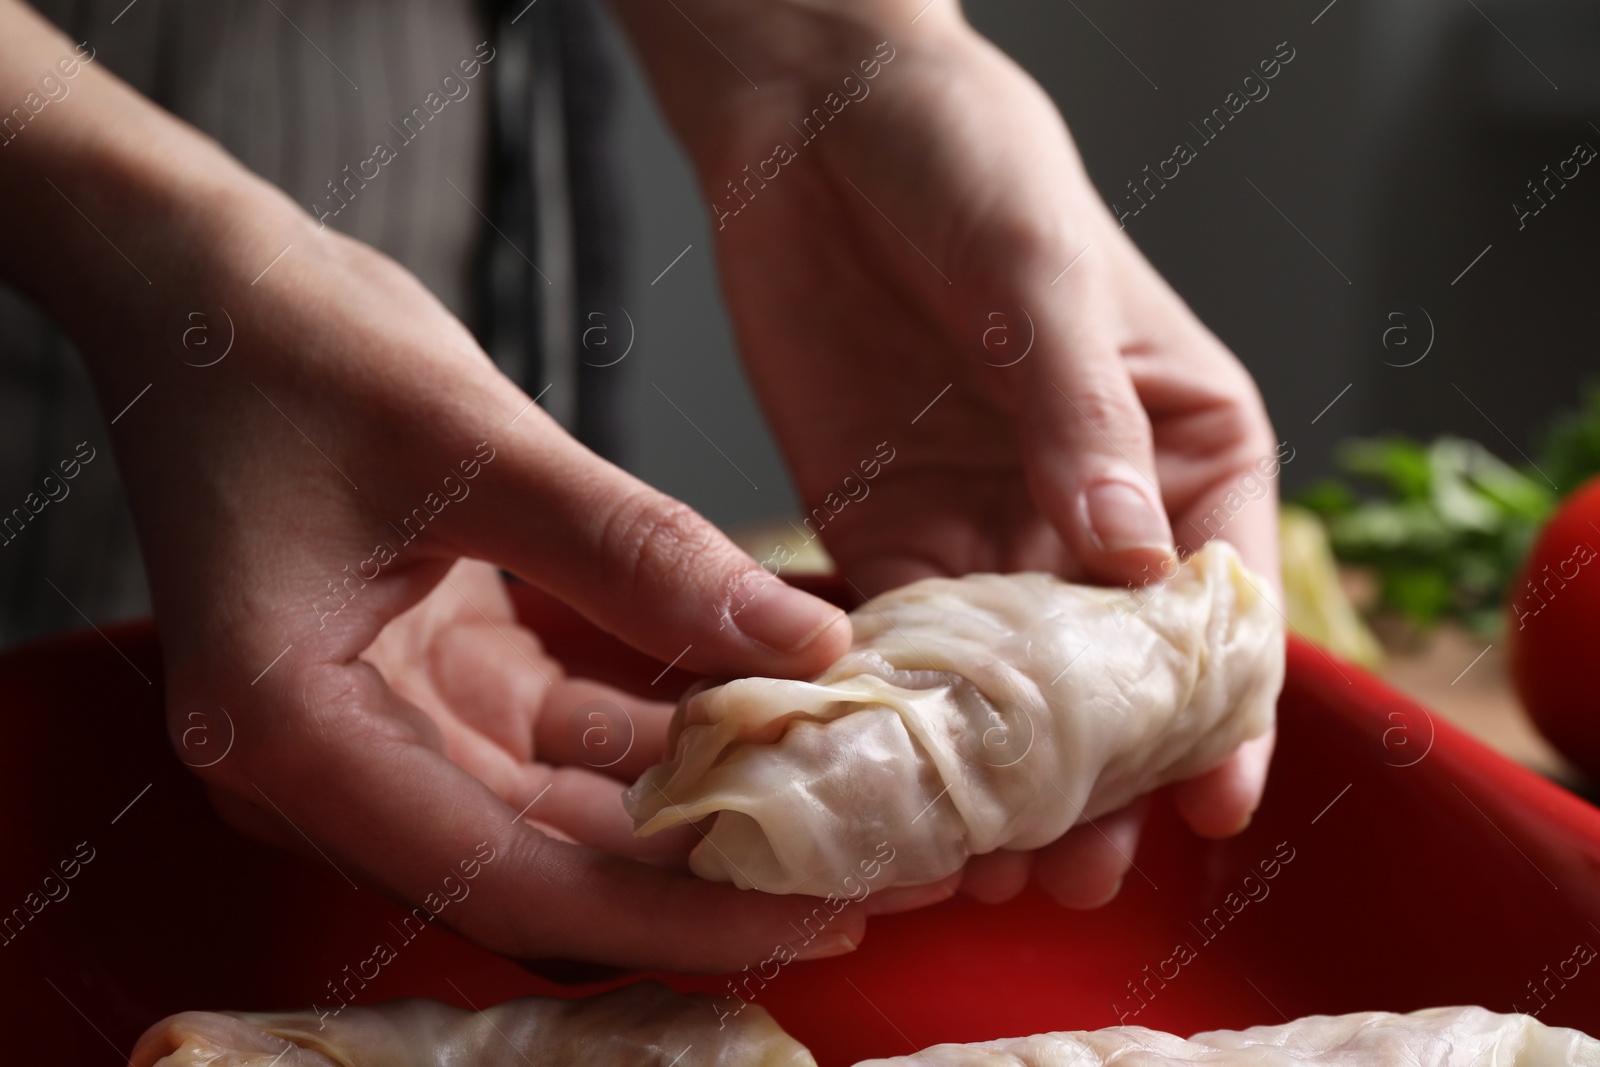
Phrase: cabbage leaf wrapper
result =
(642, 1025)
(970, 714)
(1434, 1037)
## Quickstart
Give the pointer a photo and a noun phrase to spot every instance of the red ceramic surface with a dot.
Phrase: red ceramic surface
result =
(1414, 867)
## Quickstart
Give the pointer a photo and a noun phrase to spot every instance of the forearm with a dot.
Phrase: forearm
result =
(714, 62)
(114, 208)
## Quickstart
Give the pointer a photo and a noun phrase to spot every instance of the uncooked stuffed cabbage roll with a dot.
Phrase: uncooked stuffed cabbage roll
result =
(971, 714)
(1437, 1037)
(644, 1025)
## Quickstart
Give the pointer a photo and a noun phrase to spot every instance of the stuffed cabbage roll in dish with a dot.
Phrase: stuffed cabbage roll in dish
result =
(1436, 1037)
(644, 1025)
(970, 714)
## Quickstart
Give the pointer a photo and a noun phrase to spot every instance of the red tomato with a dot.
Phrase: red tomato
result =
(1553, 623)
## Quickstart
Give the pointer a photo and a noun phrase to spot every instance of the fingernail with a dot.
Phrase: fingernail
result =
(824, 946)
(785, 619)
(1121, 517)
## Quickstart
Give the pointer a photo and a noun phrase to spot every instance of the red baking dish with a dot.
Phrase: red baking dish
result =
(1394, 864)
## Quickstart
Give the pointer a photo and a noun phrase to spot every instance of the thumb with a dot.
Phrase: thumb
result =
(1087, 442)
(644, 566)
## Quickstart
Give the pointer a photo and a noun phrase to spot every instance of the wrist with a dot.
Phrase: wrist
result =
(727, 72)
(143, 229)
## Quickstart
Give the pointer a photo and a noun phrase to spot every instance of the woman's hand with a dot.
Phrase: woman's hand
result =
(304, 502)
(304, 505)
(921, 261)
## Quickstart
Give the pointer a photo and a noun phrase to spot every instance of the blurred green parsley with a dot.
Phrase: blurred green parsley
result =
(1445, 526)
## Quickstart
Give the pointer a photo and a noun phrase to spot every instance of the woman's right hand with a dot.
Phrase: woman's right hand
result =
(299, 498)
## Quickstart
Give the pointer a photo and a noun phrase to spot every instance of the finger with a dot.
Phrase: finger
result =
(1086, 437)
(580, 804)
(642, 565)
(515, 711)
(566, 804)
(909, 898)
(890, 570)
(489, 672)
(331, 766)
(586, 808)
(495, 676)
(996, 877)
(589, 724)
(1220, 459)
(1221, 802)
(1085, 867)
(1251, 526)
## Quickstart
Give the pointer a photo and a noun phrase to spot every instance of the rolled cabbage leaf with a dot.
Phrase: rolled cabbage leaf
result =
(1435, 1037)
(970, 714)
(642, 1025)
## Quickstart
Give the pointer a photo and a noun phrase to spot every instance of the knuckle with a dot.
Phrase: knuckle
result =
(650, 538)
(1227, 378)
(1007, 253)
(1244, 420)
(1022, 247)
(1108, 415)
(1027, 241)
